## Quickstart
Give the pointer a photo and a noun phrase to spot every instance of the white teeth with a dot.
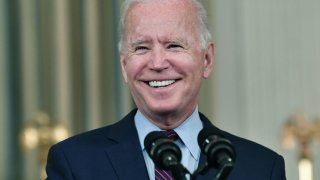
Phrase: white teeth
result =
(161, 83)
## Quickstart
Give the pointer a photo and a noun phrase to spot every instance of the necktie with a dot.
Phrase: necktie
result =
(161, 174)
(171, 134)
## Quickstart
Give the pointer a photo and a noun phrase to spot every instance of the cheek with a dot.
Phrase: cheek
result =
(134, 67)
(190, 66)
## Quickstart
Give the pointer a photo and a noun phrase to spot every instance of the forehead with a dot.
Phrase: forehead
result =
(158, 16)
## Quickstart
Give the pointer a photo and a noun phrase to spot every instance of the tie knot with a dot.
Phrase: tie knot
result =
(171, 134)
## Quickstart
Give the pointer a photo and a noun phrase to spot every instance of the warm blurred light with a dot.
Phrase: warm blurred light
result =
(29, 138)
(60, 133)
(288, 137)
(299, 130)
(41, 133)
(305, 169)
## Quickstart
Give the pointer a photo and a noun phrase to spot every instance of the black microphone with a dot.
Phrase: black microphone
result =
(165, 153)
(219, 151)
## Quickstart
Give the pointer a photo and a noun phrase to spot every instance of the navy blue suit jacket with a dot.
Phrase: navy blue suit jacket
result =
(113, 152)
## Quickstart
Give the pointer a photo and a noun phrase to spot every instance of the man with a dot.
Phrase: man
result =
(166, 51)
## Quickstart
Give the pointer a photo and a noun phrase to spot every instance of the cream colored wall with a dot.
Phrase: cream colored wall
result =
(266, 68)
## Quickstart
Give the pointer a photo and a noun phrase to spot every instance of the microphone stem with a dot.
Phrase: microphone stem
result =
(224, 171)
(179, 172)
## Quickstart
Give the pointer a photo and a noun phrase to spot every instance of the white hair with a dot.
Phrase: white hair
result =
(203, 30)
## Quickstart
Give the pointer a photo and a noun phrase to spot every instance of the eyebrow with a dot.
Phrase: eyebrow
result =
(177, 40)
(137, 42)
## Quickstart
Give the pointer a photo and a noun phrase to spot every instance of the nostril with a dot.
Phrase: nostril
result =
(159, 62)
(159, 66)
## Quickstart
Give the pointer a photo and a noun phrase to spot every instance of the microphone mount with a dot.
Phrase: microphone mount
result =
(167, 155)
(219, 151)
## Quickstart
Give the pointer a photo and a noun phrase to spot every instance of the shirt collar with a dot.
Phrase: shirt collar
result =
(144, 127)
(188, 131)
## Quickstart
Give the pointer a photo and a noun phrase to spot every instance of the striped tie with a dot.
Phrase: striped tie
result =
(171, 134)
(161, 174)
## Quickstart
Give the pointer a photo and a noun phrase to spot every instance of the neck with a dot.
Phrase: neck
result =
(168, 121)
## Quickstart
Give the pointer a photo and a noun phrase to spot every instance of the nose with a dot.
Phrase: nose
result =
(158, 60)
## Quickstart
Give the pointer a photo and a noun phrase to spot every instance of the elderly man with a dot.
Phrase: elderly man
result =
(165, 53)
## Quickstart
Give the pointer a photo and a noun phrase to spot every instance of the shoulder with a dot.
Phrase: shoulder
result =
(259, 161)
(242, 145)
(247, 147)
(104, 136)
(253, 160)
(87, 154)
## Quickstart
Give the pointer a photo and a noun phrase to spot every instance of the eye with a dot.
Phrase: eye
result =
(140, 48)
(174, 46)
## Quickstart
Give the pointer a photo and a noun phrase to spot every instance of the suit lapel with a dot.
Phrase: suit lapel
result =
(126, 155)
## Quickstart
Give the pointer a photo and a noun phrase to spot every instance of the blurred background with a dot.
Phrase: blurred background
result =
(60, 75)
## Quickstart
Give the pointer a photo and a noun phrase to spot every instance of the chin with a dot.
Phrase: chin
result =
(165, 111)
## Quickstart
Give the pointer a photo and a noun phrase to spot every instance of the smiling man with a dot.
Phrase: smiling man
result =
(163, 61)
(165, 53)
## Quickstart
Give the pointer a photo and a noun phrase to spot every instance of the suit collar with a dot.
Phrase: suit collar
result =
(125, 153)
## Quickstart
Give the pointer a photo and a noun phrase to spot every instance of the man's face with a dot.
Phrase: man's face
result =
(162, 61)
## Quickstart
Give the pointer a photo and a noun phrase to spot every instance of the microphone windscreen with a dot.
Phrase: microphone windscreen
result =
(215, 146)
(205, 133)
(151, 138)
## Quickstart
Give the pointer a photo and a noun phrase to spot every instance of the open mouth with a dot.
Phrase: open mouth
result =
(158, 84)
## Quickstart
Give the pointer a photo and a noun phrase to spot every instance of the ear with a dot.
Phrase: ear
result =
(208, 60)
(123, 67)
